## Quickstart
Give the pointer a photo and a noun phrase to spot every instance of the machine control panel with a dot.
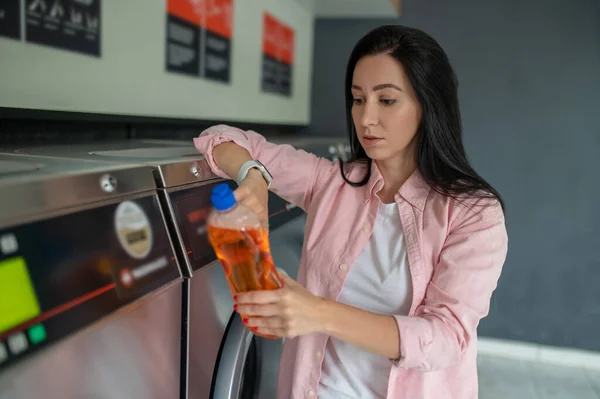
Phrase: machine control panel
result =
(65, 272)
(192, 207)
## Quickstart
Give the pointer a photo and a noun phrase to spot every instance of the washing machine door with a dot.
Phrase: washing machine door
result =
(245, 359)
(237, 372)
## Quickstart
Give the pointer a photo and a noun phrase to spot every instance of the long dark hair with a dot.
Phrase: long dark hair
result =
(440, 155)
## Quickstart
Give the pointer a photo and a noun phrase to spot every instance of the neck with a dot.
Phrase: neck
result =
(394, 172)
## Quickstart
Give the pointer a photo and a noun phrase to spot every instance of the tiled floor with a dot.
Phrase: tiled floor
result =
(501, 378)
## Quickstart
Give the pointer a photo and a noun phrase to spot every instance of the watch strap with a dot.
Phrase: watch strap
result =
(247, 166)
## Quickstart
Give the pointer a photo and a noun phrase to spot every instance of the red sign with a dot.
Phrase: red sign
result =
(278, 39)
(214, 15)
(287, 46)
(219, 17)
(187, 10)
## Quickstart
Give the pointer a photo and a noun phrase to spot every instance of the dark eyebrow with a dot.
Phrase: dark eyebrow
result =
(380, 87)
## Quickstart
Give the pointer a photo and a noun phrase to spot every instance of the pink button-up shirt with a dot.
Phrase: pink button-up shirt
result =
(455, 254)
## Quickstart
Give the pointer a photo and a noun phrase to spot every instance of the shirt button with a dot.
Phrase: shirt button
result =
(365, 229)
(311, 393)
(319, 354)
(343, 266)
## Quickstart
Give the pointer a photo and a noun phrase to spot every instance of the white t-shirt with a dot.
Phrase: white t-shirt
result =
(379, 281)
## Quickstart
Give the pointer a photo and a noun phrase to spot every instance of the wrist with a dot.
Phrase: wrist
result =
(254, 175)
(324, 311)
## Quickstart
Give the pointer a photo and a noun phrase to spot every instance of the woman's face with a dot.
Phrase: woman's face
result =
(385, 111)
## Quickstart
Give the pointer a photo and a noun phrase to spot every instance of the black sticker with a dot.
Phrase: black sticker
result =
(276, 76)
(10, 19)
(183, 43)
(217, 57)
(65, 24)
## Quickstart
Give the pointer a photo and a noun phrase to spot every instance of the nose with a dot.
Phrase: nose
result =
(370, 116)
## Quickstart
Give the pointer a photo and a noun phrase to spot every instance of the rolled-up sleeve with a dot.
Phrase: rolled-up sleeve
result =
(459, 294)
(219, 134)
(296, 173)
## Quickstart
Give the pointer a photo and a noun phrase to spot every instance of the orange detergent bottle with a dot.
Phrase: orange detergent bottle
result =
(241, 245)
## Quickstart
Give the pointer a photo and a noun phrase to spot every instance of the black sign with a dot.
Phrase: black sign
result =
(217, 56)
(66, 24)
(276, 76)
(10, 19)
(183, 45)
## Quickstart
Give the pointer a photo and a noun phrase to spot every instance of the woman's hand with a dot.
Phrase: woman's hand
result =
(254, 193)
(286, 312)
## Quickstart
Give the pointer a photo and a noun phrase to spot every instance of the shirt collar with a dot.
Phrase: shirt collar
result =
(414, 190)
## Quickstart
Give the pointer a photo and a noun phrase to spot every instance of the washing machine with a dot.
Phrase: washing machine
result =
(221, 359)
(287, 225)
(90, 291)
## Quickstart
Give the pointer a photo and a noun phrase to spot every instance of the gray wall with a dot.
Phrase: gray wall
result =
(529, 74)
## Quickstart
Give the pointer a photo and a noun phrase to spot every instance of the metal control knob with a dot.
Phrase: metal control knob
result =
(195, 169)
(108, 183)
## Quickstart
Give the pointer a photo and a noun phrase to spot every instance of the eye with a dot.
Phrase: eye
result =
(387, 101)
(357, 101)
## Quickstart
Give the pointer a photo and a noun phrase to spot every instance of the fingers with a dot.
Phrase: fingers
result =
(245, 196)
(248, 198)
(274, 326)
(259, 297)
(241, 193)
(259, 310)
(278, 333)
(265, 322)
(256, 206)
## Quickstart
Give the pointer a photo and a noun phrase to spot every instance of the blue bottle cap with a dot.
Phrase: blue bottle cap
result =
(222, 197)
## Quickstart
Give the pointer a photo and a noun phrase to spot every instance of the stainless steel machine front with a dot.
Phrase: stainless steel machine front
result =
(90, 292)
(221, 359)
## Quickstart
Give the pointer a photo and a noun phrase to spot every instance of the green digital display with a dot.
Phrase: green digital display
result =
(18, 302)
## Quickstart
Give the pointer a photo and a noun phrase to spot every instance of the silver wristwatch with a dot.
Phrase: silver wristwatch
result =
(254, 164)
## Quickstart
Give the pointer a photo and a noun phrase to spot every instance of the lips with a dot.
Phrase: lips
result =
(371, 140)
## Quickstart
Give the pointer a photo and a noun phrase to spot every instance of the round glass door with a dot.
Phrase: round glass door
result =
(251, 373)
(237, 372)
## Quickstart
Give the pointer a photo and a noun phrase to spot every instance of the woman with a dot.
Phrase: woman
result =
(404, 244)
